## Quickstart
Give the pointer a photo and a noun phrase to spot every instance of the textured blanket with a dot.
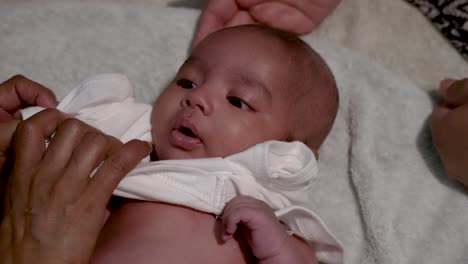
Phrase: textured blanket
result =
(384, 195)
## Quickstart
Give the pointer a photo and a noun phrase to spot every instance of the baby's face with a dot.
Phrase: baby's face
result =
(228, 96)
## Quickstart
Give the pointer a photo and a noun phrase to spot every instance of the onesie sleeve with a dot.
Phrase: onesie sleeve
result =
(280, 174)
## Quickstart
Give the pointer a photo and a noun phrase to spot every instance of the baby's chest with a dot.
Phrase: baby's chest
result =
(144, 232)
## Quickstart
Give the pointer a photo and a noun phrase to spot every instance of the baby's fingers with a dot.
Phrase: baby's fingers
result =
(229, 224)
(233, 214)
(243, 209)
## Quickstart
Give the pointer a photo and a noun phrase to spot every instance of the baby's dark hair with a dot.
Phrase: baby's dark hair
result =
(314, 99)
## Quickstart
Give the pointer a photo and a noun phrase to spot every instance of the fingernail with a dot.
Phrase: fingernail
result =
(445, 84)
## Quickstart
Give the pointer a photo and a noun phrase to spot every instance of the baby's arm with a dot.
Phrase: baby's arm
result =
(268, 240)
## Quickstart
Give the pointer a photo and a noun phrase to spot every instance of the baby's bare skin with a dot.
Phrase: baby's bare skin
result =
(149, 232)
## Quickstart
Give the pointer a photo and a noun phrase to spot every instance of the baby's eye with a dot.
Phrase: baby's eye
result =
(186, 84)
(236, 102)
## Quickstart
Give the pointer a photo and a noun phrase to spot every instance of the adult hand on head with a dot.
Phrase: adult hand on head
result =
(449, 124)
(296, 16)
(19, 92)
(54, 210)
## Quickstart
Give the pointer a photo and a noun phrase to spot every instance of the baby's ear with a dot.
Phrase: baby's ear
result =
(311, 146)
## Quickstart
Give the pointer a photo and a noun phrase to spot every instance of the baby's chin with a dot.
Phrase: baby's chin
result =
(170, 152)
(177, 154)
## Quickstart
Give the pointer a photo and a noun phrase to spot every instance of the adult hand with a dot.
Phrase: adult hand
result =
(54, 210)
(16, 93)
(6, 133)
(296, 16)
(19, 92)
(449, 124)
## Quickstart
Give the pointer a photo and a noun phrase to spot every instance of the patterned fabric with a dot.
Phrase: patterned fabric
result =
(450, 17)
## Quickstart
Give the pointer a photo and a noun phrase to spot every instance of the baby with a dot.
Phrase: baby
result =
(240, 86)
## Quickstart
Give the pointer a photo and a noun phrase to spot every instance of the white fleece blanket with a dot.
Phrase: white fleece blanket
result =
(384, 195)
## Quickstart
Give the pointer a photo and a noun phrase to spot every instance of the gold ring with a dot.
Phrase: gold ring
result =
(49, 139)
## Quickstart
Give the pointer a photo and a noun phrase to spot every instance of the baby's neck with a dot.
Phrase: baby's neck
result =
(154, 156)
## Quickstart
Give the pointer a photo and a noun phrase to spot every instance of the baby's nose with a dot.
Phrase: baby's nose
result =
(199, 101)
(189, 103)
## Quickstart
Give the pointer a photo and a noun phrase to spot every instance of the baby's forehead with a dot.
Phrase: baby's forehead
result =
(285, 39)
(256, 37)
(289, 58)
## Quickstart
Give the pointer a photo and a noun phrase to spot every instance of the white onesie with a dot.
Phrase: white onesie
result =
(275, 172)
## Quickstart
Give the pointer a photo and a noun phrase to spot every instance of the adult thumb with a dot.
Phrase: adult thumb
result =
(455, 92)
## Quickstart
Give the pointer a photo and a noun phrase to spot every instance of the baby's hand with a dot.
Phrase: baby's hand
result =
(259, 225)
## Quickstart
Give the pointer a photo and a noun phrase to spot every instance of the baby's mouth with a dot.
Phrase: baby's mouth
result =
(185, 138)
(187, 131)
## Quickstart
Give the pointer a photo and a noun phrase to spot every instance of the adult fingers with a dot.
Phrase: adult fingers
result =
(6, 134)
(5, 116)
(214, 17)
(305, 6)
(71, 133)
(19, 91)
(114, 168)
(449, 128)
(28, 149)
(240, 18)
(306, 14)
(454, 92)
(439, 125)
(282, 16)
(93, 150)
(30, 137)
(67, 136)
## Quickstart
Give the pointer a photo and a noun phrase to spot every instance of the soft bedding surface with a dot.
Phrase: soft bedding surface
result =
(383, 194)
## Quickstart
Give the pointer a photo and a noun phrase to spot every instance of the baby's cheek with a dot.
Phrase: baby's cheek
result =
(154, 117)
(232, 144)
